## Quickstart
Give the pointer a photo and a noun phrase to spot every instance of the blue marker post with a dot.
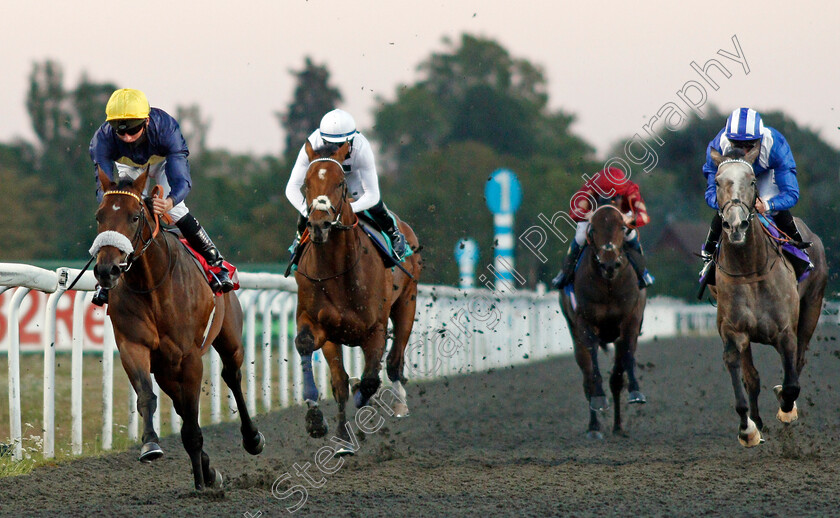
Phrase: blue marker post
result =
(503, 194)
(466, 253)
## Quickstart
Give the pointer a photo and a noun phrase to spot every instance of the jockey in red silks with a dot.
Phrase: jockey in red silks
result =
(608, 183)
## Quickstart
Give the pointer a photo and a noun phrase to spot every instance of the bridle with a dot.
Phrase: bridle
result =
(749, 209)
(336, 222)
(607, 247)
(132, 257)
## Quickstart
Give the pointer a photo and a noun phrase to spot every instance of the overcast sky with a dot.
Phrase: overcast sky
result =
(613, 64)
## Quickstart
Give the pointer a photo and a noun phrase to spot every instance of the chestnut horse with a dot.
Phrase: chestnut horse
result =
(607, 307)
(165, 316)
(346, 296)
(758, 297)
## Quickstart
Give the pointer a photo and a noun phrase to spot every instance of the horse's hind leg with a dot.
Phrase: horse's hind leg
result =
(229, 346)
(752, 382)
(137, 364)
(402, 316)
(789, 390)
(373, 347)
(810, 309)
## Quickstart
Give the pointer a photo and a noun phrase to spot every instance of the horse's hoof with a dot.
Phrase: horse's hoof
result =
(256, 446)
(595, 435)
(316, 426)
(218, 481)
(751, 436)
(636, 398)
(618, 432)
(598, 403)
(343, 451)
(401, 410)
(149, 452)
(788, 417)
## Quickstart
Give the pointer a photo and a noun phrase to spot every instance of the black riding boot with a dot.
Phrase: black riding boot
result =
(100, 297)
(388, 224)
(633, 249)
(294, 258)
(784, 220)
(707, 253)
(198, 239)
(567, 274)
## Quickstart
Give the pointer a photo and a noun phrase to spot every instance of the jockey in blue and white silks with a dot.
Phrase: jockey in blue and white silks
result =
(775, 174)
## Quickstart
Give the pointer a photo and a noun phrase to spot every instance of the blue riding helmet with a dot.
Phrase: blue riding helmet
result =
(744, 124)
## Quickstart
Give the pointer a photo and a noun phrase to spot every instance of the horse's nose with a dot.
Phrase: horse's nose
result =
(106, 271)
(726, 225)
(743, 226)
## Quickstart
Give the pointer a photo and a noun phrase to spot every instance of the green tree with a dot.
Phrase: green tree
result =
(476, 109)
(27, 225)
(476, 92)
(313, 98)
(64, 122)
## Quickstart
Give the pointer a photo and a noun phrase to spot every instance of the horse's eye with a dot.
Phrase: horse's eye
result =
(717, 183)
(136, 218)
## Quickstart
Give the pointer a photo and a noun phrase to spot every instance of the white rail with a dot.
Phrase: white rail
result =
(456, 331)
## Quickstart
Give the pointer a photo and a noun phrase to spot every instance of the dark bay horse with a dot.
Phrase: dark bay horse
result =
(346, 295)
(608, 307)
(165, 316)
(758, 296)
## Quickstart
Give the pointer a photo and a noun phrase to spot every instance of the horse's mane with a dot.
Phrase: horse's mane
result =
(327, 150)
(735, 153)
(123, 184)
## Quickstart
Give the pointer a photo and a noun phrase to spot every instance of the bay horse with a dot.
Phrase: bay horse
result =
(758, 297)
(346, 296)
(607, 307)
(165, 315)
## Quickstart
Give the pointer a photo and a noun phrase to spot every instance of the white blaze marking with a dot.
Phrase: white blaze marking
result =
(115, 207)
(321, 173)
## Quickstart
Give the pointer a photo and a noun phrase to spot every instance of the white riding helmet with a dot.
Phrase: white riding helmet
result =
(338, 127)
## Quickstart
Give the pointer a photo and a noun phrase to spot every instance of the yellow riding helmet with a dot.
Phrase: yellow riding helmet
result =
(127, 103)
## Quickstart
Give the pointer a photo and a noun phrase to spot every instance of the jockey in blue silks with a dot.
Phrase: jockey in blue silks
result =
(135, 136)
(775, 174)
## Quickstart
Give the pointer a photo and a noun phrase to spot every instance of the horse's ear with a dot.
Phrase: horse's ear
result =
(753, 154)
(341, 153)
(310, 152)
(104, 181)
(140, 183)
(717, 158)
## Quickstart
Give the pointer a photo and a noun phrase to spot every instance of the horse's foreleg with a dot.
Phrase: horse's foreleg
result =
(306, 344)
(748, 434)
(341, 393)
(373, 348)
(587, 359)
(789, 390)
(137, 364)
(752, 382)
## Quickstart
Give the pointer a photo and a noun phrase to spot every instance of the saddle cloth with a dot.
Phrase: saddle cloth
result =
(210, 270)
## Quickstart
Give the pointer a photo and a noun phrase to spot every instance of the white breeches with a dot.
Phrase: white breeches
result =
(158, 173)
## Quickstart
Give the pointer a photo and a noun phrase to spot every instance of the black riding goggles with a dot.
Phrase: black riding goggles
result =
(128, 127)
